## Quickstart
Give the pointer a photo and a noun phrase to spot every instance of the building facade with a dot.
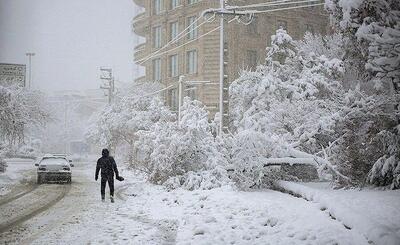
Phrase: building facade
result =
(196, 54)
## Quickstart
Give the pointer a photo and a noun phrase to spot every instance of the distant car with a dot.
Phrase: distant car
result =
(59, 155)
(51, 168)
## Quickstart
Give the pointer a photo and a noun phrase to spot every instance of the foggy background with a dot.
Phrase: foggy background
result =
(71, 39)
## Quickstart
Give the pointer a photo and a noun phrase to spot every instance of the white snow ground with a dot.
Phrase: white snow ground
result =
(149, 214)
(373, 213)
(18, 171)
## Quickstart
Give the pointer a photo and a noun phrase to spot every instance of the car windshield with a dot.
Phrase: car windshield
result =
(53, 161)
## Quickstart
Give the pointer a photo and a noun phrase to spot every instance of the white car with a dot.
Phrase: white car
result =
(51, 168)
(57, 155)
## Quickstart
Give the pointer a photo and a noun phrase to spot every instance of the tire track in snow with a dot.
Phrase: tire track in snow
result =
(15, 218)
(10, 198)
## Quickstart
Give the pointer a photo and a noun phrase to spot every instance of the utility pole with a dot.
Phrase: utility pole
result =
(221, 69)
(244, 15)
(66, 131)
(180, 98)
(109, 86)
(30, 54)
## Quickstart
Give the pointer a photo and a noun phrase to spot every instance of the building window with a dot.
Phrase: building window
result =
(157, 6)
(252, 58)
(173, 66)
(174, 27)
(309, 28)
(281, 24)
(157, 70)
(192, 24)
(157, 37)
(192, 1)
(174, 4)
(192, 62)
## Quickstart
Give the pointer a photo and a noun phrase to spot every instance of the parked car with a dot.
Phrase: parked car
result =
(52, 168)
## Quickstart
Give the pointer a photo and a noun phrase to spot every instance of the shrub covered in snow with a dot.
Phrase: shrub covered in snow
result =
(117, 125)
(184, 154)
(290, 101)
(249, 148)
(3, 164)
(367, 135)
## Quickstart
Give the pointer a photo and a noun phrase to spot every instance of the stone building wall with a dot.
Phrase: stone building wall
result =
(245, 45)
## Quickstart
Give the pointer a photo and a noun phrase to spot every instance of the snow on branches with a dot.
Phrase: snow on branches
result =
(183, 154)
(290, 101)
(373, 29)
(20, 109)
(118, 124)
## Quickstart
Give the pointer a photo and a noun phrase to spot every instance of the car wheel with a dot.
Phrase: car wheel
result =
(39, 179)
(69, 180)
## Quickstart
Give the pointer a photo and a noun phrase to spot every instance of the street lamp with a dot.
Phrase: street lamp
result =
(181, 81)
(30, 54)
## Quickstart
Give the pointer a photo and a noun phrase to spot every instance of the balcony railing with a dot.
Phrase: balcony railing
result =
(140, 52)
(138, 24)
(139, 2)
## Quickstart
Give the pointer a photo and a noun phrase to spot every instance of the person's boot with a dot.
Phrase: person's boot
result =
(103, 198)
(112, 199)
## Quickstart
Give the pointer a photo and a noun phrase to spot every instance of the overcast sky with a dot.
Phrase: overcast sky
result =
(71, 39)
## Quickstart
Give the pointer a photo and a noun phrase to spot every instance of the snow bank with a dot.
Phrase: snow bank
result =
(15, 173)
(226, 216)
(374, 214)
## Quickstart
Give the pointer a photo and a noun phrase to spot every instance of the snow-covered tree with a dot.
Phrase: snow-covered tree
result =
(369, 122)
(373, 30)
(20, 110)
(366, 147)
(290, 102)
(118, 123)
(183, 154)
(293, 99)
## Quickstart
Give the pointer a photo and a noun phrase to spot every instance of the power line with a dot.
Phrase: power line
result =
(237, 14)
(191, 41)
(268, 4)
(287, 8)
(175, 39)
(184, 32)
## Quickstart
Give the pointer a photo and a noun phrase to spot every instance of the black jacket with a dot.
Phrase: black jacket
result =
(107, 166)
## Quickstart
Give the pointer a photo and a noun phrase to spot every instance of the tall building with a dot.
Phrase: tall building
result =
(196, 55)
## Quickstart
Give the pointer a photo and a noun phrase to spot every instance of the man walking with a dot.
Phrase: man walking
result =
(107, 165)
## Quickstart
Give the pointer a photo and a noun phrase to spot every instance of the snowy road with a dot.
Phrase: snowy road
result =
(148, 214)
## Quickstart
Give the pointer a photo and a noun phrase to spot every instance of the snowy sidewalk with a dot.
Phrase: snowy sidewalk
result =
(226, 216)
(373, 213)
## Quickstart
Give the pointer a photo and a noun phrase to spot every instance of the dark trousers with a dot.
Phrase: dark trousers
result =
(104, 180)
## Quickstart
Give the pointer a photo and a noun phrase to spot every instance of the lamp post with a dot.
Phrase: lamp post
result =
(30, 54)
(180, 88)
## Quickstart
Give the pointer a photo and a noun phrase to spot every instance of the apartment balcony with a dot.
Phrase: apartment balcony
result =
(140, 2)
(140, 52)
(141, 79)
(139, 24)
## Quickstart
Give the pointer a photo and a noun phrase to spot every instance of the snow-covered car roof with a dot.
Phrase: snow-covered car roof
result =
(54, 161)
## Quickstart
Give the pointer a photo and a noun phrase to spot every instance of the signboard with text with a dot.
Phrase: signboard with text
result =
(12, 74)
